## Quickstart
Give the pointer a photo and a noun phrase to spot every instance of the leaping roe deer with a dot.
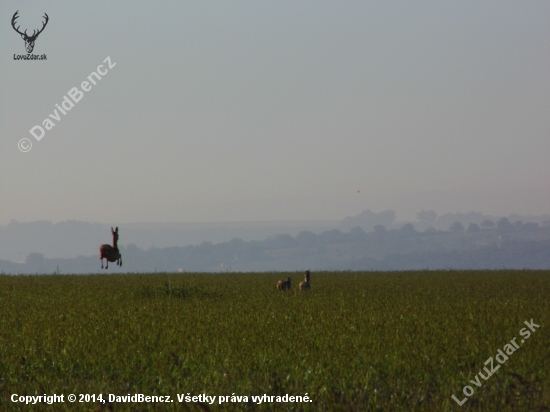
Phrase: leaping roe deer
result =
(305, 284)
(111, 253)
(284, 284)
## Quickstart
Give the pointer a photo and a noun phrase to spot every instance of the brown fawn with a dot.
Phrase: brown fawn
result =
(284, 284)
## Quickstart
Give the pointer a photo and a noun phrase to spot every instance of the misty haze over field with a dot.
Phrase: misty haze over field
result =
(215, 121)
(367, 241)
(70, 239)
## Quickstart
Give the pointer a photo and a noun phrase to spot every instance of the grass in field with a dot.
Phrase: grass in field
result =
(402, 341)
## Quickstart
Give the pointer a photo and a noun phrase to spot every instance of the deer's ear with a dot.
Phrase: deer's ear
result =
(112, 231)
(116, 229)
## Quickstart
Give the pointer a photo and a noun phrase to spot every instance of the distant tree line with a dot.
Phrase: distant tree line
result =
(503, 244)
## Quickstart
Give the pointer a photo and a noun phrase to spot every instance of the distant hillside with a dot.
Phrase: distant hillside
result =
(520, 245)
(69, 239)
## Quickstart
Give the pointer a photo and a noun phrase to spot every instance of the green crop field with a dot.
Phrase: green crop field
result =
(401, 341)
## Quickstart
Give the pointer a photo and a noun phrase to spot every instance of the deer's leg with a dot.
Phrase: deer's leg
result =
(101, 263)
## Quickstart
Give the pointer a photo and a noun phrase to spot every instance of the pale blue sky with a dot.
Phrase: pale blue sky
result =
(247, 110)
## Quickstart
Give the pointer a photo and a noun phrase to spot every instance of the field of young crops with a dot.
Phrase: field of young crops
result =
(404, 341)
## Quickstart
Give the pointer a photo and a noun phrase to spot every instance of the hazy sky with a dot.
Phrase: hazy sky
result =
(248, 110)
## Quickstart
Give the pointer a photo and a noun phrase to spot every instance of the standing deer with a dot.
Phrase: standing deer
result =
(111, 253)
(305, 284)
(284, 284)
(29, 40)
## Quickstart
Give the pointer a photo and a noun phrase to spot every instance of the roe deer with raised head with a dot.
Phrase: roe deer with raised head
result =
(111, 253)
(284, 284)
(305, 285)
